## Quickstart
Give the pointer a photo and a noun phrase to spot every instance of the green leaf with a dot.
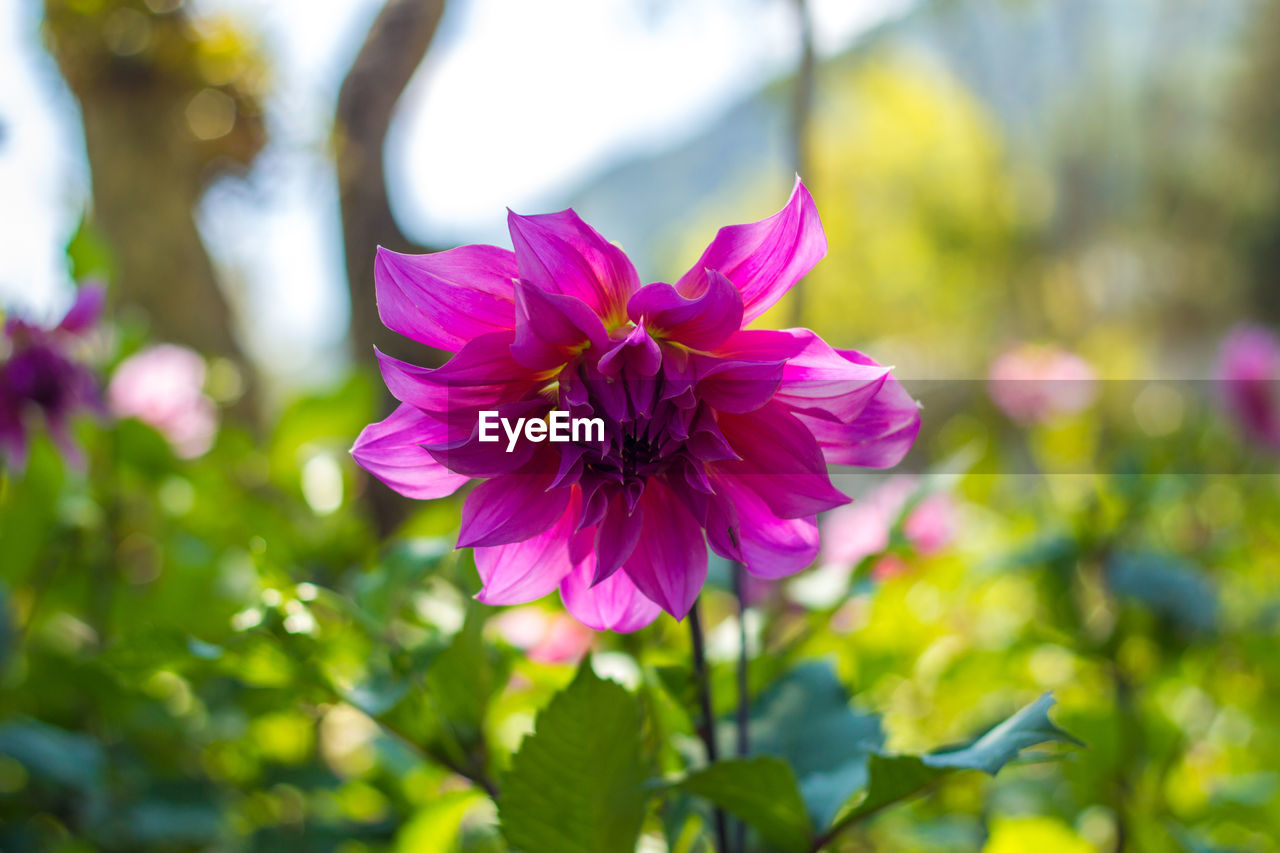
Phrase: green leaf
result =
(66, 758)
(805, 719)
(28, 512)
(576, 785)
(89, 253)
(1170, 587)
(761, 791)
(995, 749)
(464, 677)
(895, 778)
(892, 778)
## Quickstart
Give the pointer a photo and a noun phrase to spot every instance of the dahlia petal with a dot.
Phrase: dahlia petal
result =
(637, 353)
(781, 462)
(391, 450)
(669, 564)
(559, 253)
(882, 433)
(763, 259)
(817, 379)
(768, 546)
(737, 386)
(481, 375)
(616, 537)
(475, 458)
(446, 298)
(550, 327)
(520, 572)
(702, 322)
(706, 442)
(614, 604)
(85, 312)
(510, 508)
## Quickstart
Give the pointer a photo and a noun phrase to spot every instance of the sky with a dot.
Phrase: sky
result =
(517, 105)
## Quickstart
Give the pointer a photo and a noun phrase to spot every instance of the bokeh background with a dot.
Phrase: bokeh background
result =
(216, 628)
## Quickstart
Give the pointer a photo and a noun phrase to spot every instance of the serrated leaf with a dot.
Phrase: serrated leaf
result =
(892, 778)
(761, 791)
(995, 749)
(577, 784)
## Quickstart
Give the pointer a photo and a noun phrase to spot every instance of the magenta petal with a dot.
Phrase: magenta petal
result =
(614, 604)
(391, 450)
(616, 537)
(447, 298)
(559, 253)
(511, 507)
(882, 433)
(550, 327)
(525, 571)
(781, 462)
(763, 259)
(475, 458)
(829, 383)
(85, 312)
(736, 386)
(479, 376)
(769, 546)
(637, 353)
(702, 322)
(669, 564)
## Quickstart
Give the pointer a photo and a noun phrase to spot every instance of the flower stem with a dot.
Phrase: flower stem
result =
(707, 730)
(744, 692)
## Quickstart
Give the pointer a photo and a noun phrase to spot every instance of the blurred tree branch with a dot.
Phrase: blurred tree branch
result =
(167, 108)
(391, 53)
(1257, 123)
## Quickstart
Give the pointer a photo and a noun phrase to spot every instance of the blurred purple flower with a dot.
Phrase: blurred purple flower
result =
(713, 434)
(862, 529)
(162, 386)
(1034, 384)
(1249, 369)
(40, 377)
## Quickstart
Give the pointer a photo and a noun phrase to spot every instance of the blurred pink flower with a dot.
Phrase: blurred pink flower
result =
(1034, 384)
(931, 524)
(888, 567)
(544, 636)
(862, 529)
(162, 386)
(40, 378)
(1249, 368)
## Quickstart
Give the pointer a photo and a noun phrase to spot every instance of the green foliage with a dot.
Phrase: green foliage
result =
(577, 783)
(805, 718)
(894, 778)
(761, 791)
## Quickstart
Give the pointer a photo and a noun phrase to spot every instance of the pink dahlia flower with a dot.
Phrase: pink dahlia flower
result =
(41, 378)
(712, 434)
(1034, 384)
(852, 533)
(1249, 369)
(162, 386)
